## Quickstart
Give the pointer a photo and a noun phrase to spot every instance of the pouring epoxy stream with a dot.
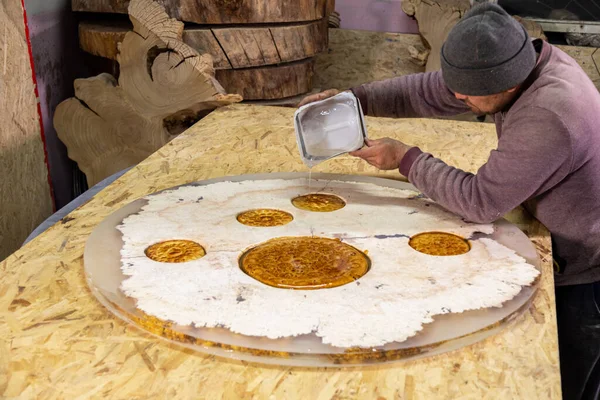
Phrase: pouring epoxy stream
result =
(547, 116)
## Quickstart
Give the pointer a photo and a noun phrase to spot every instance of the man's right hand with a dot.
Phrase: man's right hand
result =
(318, 96)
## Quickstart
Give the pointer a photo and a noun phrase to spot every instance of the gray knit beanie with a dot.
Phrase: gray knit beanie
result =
(487, 52)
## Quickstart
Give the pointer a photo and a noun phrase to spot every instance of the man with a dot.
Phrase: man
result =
(547, 115)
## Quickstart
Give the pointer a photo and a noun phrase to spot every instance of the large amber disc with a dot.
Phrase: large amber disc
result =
(304, 263)
(319, 202)
(175, 251)
(439, 244)
(265, 217)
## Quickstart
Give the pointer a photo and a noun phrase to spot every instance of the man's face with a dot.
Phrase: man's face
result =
(491, 104)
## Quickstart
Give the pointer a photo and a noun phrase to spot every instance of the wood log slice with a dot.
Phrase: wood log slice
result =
(231, 47)
(268, 83)
(335, 20)
(163, 85)
(534, 29)
(224, 11)
(436, 18)
(292, 80)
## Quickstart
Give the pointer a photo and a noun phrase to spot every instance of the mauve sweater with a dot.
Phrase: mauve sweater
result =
(548, 155)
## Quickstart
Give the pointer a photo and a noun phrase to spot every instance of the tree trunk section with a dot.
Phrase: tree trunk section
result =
(436, 18)
(224, 11)
(267, 83)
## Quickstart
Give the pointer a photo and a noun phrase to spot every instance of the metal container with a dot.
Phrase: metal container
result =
(330, 127)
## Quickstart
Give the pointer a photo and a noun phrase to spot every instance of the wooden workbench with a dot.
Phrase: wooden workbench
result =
(57, 341)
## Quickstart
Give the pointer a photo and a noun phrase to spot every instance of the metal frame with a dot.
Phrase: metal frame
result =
(557, 25)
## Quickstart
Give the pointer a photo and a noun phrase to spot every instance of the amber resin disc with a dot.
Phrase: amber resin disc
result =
(439, 244)
(319, 202)
(175, 251)
(304, 263)
(265, 217)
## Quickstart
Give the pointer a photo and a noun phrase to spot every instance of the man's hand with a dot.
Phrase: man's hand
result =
(383, 153)
(318, 96)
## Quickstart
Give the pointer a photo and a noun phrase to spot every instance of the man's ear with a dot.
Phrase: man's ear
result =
(513, 89)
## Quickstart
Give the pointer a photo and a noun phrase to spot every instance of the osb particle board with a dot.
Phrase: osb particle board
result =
(57, 341)
(25, 199)
(357, 57)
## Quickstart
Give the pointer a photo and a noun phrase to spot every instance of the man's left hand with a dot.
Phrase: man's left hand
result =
(383, 153)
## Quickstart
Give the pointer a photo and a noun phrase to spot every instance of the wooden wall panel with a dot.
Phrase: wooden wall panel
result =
(25, 198)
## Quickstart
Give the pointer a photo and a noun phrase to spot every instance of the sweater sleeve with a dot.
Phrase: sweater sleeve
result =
(534, 154)
(416, 95)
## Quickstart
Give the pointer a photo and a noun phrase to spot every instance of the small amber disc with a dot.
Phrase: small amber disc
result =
(319, 202)
(304, 263)
(175, 251)
(439, 244)
(265, 217)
